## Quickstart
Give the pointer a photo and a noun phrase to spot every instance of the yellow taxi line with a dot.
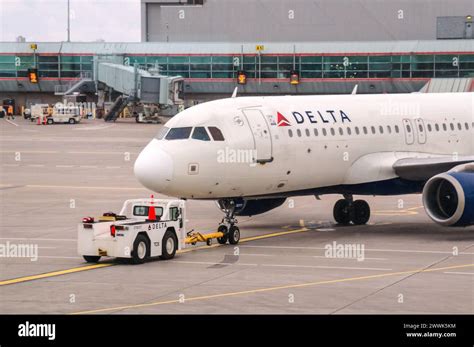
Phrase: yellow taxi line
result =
(97, 266)
(268, 289)
(53, 274)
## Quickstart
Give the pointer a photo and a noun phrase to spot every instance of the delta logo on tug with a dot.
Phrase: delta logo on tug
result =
(329, 116)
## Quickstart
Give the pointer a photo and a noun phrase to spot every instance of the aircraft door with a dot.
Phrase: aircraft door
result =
(261, 134)
(409, 132)
(421, 130)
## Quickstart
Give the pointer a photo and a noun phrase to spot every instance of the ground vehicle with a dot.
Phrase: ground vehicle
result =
(39, 110)
(138, 237)
(71, 115)
(146, 114)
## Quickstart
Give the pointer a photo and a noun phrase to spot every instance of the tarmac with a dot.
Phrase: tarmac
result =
(293, 259)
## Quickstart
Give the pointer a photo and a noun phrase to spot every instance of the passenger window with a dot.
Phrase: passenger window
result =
(429, 128)
(459, 126)
(315, 132)
(445, 127)
(349, 131)
(290, 132)
(179, 133)
(341, 132)
(333, 132)
(397, 129)
(437, 127)
(325, 132)
(466, 126)
(161, 134)
(298, 132)
(307, 132)
(216, 134)
(451, 125)
(365, 130)
(389, 129)
(357, 130)
(381, 129)
(372, 129)
(200, 133)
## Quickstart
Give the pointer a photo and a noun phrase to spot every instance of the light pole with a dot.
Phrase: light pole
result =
(68, 22)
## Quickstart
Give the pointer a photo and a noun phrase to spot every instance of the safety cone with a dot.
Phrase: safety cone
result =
(39, 121)
(151, 210)
(44, 120)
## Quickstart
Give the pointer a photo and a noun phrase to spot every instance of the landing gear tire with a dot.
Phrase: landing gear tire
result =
(91, 258)
(222, 240)
(342, 212)
(141, 250)
(50, 121)
(72, 121)
(234, 235)
(169, 246)
(360, 212)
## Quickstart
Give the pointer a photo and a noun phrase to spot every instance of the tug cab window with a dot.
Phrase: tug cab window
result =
(200, 133)
(179, 133)
(142, 211)
(216, 134)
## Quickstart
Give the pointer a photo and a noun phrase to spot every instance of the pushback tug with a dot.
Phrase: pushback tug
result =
(156, 228)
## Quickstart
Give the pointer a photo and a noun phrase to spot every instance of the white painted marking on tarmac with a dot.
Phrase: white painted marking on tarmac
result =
(64, 166)
(285, 265)
(100, 127)
(32, 152)
(11, 165)
(57, 257)
(82, 187)
(35, 165)
(328, 267)
(88, 166)
(212, 263)
(459, 273)
(9, 121)
(36, 239)
(112, 167)
(82, 152)
(367, 249)
(365, 258)
(325, 229)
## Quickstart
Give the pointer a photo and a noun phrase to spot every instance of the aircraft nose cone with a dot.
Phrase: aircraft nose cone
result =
(154, 167)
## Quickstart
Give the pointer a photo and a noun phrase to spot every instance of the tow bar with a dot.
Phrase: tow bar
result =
(195, 237)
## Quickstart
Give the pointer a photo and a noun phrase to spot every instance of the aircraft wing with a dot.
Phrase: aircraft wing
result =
(422, 169)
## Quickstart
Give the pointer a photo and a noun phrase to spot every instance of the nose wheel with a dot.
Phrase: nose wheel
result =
(346, 211)
(228, 225)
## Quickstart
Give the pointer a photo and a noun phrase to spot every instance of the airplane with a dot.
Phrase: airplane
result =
(252, 153)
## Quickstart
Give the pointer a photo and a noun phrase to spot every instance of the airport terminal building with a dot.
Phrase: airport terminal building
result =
(276, 47)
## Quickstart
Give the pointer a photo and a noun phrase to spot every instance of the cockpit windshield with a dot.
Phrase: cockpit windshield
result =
(200, 133)
(183, 133)
(179, 133)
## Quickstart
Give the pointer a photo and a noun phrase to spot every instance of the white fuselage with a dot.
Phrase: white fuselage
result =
(279, 145)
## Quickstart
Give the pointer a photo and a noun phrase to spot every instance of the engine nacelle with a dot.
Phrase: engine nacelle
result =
(448, 198)
(244, 207)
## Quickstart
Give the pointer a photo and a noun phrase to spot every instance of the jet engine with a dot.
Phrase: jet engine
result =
(448, 198)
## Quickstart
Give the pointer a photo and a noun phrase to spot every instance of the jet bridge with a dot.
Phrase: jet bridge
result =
(134, 85)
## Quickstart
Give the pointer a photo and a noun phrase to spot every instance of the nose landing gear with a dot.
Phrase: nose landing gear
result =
(346, 211)
(228, 224)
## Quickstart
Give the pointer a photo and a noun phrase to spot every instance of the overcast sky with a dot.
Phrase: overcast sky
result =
(46, 20)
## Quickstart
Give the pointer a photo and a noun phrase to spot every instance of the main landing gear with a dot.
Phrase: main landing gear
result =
(346, 211)
(228, 224)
